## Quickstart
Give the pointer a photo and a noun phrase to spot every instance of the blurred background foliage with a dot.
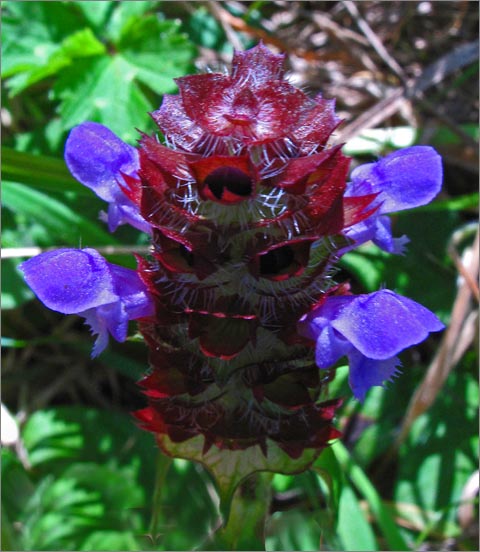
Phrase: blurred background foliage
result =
(77, 474)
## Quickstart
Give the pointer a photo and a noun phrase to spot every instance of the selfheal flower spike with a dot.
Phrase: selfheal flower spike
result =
(248, 208)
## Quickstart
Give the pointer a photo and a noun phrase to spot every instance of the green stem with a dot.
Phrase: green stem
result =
(245, 527)
(162, 467)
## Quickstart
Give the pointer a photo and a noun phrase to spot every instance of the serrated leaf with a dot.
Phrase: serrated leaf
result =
(103, 89)
(157, 50)
(123, 13)
(64, 511)
(120, 493)
(96, 12)
(31, 32)
(64, 225)
(78, 45)
(55, 437)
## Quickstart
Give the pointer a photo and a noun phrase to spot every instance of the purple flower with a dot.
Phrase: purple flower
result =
(404, 179)
(98, 159)
(369, 329)
(81, 281)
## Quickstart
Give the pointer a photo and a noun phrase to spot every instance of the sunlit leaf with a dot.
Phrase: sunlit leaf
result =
(353, 527)
(103, 89)
(64, 225)
(32, 31)
(157, 51)
(77, 45)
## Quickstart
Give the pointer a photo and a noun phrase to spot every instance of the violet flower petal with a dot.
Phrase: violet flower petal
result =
(81, 281)
(132, 290)
(404, 179)
(330, 347)
(70, 280)
(369, 329)
(382, 324)
(97, 158)
(377, 229)
(366, 373)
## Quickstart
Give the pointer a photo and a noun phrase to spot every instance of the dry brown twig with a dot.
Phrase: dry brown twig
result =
(373, 39)
(433, 74)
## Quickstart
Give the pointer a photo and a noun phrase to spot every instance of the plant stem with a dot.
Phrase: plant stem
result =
(162, 467)
(245, 527)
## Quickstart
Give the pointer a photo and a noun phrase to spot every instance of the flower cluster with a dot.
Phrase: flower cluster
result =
(249, 208)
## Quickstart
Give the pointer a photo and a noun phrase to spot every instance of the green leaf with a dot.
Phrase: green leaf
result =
(122, 15)
(13, 343)
(87, 499)
(328, 469)
(367, 263)
(176, 523)
(103, 89)
(158, 52)
(422, 273)
(9, 541)
(43, 138)
(78, 45)
(296, 529)
(56, 437)
(39, 171)
(31, 32)
(97, 12)
(460, 203)
(383, 517)
(353, 527)
(441, 451)
(205, 30)
(17, 486)
(377, 141)
(63, 225)
(443, 136)
(112, 540)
